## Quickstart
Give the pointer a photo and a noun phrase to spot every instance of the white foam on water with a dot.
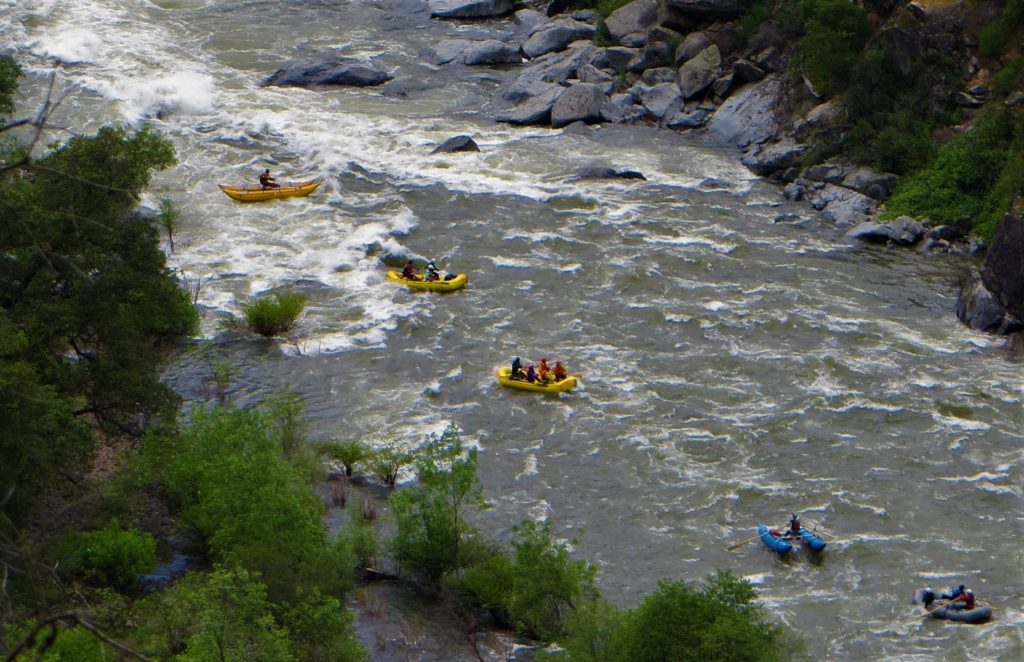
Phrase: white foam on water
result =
(960, 423)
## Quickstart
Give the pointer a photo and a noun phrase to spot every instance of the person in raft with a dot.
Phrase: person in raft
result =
(544, 374)
(266, 181)
(531, 374)
(432, 272)
(963, 601)
(559, 372)
(953, 593)
(794, 527)
(517, 369)
(409, 271)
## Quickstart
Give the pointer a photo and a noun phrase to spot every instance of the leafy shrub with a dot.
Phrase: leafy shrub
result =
(349, 453)
(1010, 77)
(362, 537)
(974, 176)
(682, 622)
(321, 630)
(836, 32)
(755, 15)
(388, 461)
(271, 316)
(433, 537)
(536, 587)
(113, 556)
(994, 37)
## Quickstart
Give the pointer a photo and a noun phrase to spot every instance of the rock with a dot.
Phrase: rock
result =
(599, 172)
(622, 108)
(469, 8)
(655, 54)
(658, 76)
(580, 103)
(1015, 98)
(527, 20)
(692, 44)
(904, 231)
(634, 40)
(747, 117)
(688, 120)
(617, 57)
(637, 16)
(487, 52)
(841, 206)
(555, 36)
(661, 101)
(330, 72)
(945, 232)
(1003, 269)
(867, 181)
(965, 100)
(700, 71)
(588, 73)
(723, 86)
(978, 308)
(747, 72)
(708, 9)
(551, 68)
(535, 110)
(457, 144)
(767, 159)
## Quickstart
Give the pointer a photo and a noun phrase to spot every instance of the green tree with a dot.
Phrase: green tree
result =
(322, 630)
(836, 32)
(433, 536)
(113, 555)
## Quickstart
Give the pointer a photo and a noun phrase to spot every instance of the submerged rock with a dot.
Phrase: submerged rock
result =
(457, 144)
(329, 72)
(602, 172)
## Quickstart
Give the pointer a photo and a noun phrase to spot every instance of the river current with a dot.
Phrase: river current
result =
(735, 369)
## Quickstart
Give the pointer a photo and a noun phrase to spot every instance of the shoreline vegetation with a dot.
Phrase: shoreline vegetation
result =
(104, 474)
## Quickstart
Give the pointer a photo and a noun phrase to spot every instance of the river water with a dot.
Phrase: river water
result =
(735, 369)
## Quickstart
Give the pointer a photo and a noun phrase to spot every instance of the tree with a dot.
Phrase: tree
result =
(433, 536)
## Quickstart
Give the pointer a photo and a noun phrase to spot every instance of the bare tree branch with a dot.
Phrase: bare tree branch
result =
(69, 620)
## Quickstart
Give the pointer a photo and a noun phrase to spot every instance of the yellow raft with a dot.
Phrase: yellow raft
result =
(256, 193)
(432, 285)
(505, 379)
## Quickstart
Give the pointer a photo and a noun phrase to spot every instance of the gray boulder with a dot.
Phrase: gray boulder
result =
(551, 68)
(747, 117)
(654, 55)
(637, 16)
(661, 101)
(555, 36)
(330, 72)
(600, 172)
(873, 184)
(904, 231)
(621, 109)
(617, 57)
(767, 159)
(487, 52)
(692, 44)
(978, 308)
(457, 144)
(1003, 269)
(469, 8)
(535, 109)
(707, 9)
(688, 120)
(700, 71)
(658, 75)
(580, 103)
(527, 20)
(588, 73)
(841, 206)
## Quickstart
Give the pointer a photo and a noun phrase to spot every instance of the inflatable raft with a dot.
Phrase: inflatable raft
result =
(433, 285)
(948, 611)
(505, 379)
(256, 193)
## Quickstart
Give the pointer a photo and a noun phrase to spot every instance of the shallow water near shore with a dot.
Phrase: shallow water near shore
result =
(735, 370)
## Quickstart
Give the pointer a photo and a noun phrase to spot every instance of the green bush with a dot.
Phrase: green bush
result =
(994, 37)
(975, 176)
(755, 15)
(433, 536)
(112, 556)
(836, 32)
(349, 453)
(388, 461)
(321, 630)
(534, 589)
(1010, 77)
(274, 315)
(681, 622)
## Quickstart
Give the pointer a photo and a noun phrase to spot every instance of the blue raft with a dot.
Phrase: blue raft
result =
(949, 612)
(774, 543)
(813, 542)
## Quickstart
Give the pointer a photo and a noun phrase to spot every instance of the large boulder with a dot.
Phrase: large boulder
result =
(978, 308)
(637, 16)
(469, 8)
(842, 206)
(622, 109)
(486, 52)
(603, 172)
(700, 71)
(692, 44)
(708, 9)
(767, 159)
(555, 36)
(456, 144)
(551, 68)
(662, 101)
(329, 72)
(904, 231)
(580, 103)
(654, 55)
(535, 109)
(747, 117)
(1003, 269)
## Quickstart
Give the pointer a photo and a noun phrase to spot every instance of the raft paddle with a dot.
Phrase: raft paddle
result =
(741, 544)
